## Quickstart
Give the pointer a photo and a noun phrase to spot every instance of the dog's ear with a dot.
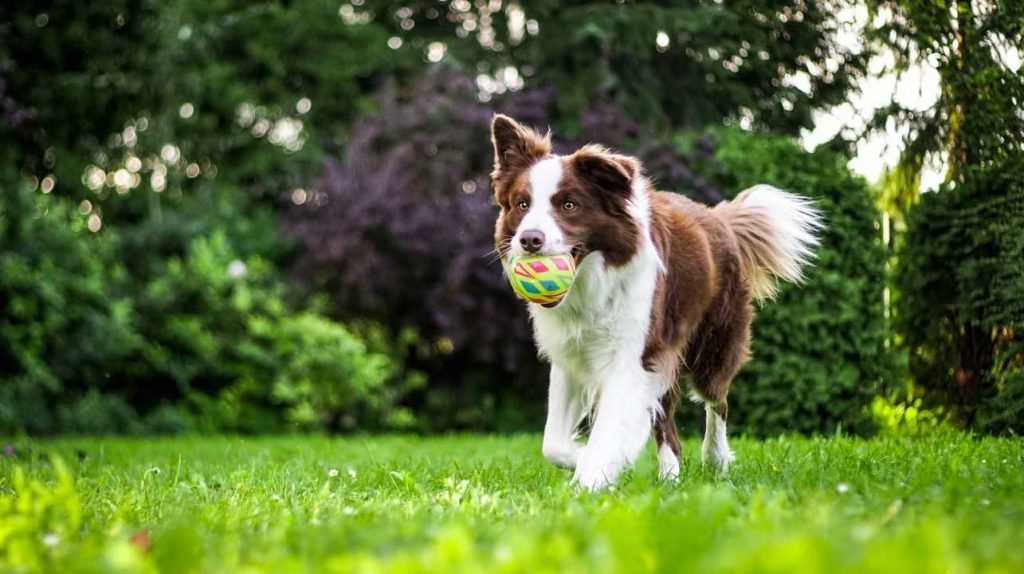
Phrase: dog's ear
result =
(610, 173)
(516, 147)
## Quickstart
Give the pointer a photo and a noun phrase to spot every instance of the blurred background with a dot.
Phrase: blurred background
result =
(275, 216)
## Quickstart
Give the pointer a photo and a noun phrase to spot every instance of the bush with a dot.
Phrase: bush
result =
(819, 353)
(204, 340)
(961, 297)
(327, 379)
(224, 339)
(63, 325)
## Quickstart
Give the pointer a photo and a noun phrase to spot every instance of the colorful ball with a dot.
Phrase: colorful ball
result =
(542, 279)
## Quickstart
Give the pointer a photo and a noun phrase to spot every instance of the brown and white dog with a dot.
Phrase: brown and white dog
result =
(663, 288)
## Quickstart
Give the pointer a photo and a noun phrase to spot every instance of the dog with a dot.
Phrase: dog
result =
(664, 289)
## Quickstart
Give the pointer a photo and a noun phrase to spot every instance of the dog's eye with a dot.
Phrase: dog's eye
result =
(522, 205)
(568, 206)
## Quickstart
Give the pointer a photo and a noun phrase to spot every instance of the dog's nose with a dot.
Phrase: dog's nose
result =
(532, 240)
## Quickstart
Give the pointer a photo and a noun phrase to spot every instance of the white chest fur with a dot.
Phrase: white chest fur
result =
(602, 324)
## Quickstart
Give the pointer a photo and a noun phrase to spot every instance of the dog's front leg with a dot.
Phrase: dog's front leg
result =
(621, 427)
(565, 409)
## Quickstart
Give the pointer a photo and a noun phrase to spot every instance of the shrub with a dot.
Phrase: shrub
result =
(961, 297)
(399, 232)
(223, 338)
(63, 325)
(204, 340)
(327, 378)
(818, 350)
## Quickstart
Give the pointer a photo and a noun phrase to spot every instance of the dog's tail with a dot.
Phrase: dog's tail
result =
(776, 231)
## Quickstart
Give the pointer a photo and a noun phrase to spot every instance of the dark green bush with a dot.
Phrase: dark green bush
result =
(819, 353)
(961, 297)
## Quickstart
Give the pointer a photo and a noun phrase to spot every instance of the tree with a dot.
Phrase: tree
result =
(134, 104)
(959, 276)
(671, 64)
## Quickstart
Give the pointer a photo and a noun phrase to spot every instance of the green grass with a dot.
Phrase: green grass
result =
(944, 504)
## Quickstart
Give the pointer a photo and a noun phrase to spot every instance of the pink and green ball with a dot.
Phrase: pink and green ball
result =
(542, 279)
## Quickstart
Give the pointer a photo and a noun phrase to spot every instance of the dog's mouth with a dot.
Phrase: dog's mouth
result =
(577, 254)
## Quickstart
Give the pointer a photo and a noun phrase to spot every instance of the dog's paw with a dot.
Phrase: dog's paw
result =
(668, 464)
(592, 473)
(720, 459)
(562, 455)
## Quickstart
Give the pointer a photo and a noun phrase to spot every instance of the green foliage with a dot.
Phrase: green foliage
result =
(177, 126)
(818, 350)
(328, 379)
(203, 341)
(492, 504)
(106, 84)
(681, 65)
(960, 282)
(61, 318)
(730, 59)
(976, 119)
(961, 305)
(36, 515)
(227, 341)
(907, 416)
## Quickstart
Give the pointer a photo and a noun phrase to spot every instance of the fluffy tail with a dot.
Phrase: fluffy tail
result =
(776, 231)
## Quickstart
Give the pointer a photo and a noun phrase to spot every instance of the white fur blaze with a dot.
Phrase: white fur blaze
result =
(544, 178)
(776, 232)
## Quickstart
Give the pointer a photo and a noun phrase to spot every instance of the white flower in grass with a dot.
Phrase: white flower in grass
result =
(332, 473)
(351, 472)
(842, 488)
(985, 502)
(50, 539)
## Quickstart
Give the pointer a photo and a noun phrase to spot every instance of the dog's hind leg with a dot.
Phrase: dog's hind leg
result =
(719, 350)
(666, 436)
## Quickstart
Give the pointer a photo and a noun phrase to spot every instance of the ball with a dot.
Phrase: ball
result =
(543, 279)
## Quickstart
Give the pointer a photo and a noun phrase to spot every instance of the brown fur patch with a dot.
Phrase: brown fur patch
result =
(516, 148)
(684, 291)
(701, 314)
(664, 429)
(599, 188)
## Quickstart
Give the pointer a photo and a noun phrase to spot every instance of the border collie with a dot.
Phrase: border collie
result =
(663, 289)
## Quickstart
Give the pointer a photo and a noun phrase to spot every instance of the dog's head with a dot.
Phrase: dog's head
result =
(580, 204)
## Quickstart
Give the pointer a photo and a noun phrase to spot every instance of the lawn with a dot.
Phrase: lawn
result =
(489, 503)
